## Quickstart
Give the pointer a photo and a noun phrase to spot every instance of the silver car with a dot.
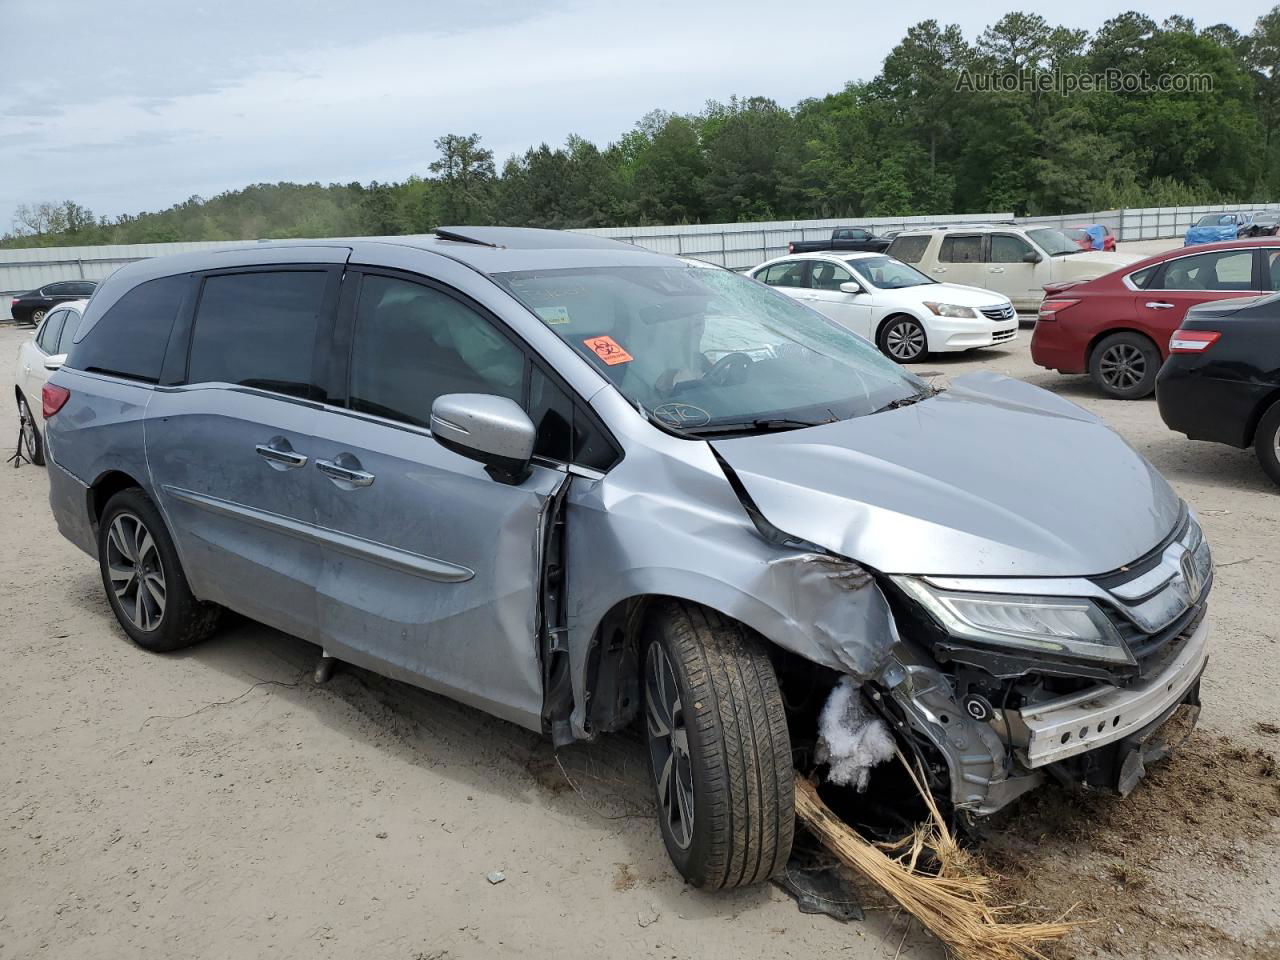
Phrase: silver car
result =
(574, 483)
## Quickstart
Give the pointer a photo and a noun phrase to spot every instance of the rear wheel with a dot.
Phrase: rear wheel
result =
(903, 339)
(37, 315)
(719, 748)
(1124, 366)
(32, 442)
(1266, 442)
(145, 585)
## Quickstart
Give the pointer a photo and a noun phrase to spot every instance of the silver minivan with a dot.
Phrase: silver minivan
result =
(577, 484)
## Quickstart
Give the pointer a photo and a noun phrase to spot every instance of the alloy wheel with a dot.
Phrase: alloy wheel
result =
(669, 746)
(905, 340)
(136, 572)
(28, 423)
(1122, 366)
(38, 315)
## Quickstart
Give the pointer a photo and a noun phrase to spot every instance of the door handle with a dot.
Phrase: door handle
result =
(280, 455)
(341, 475)
(1159, 305)
(939, 270)
(995, 269)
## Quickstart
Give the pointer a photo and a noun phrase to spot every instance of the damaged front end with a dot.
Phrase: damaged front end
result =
(999, 684)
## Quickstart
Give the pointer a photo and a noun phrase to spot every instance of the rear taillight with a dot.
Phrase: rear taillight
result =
(1049, 309)
(791, 248)
(52, 399)
(1192, 341)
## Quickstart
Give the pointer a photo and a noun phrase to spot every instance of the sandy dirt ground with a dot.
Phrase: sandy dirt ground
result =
(214, 803)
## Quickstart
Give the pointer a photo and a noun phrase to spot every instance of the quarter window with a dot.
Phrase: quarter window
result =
(258, 330)
(1221, 270)
(1142, 278)
(414, 343)
(69, 328)
(909, 249)
(566, 432)
(961, 249)
(129, 340)
(1006, 248)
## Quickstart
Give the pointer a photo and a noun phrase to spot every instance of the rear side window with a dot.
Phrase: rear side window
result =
(84, 288)
(1230, 270)
(258, 330)
(909, 249)
(792, 273)
(1271, 267)
(1142, 279)
(129, 339)
(51, 331)
(961, 249)
(414, 343)
(69, 328)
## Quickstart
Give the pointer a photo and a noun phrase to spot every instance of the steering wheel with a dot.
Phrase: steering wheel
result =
(730, 369)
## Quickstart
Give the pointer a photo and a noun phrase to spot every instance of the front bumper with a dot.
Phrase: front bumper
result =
(948, 335)
(1075, 724)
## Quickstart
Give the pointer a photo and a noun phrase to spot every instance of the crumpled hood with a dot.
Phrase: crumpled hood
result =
(993, 477)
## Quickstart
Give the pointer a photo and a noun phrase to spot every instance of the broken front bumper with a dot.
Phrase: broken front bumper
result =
(1083, 721)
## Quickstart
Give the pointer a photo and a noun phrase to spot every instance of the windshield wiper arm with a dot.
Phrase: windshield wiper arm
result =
(759, 425)
(906, 401)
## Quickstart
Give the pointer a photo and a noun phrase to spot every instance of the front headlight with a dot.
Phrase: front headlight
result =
(951, 310)
(1066, 626)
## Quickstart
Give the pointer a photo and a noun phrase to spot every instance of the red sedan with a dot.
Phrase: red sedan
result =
(1116, 328)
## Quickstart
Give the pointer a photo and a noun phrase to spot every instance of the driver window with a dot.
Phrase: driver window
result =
(828, 276)
(414, 343)
(1006, 248)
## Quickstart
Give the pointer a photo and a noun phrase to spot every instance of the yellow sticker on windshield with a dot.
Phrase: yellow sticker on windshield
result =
(553, 316)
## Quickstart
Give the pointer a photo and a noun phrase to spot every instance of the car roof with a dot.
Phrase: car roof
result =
(835, 257)
(975, 228)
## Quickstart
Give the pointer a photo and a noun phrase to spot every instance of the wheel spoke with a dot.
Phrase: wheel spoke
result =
(155, 587)
(123, 576)
(120, 540)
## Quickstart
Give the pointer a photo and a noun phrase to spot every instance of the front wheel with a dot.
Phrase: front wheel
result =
(1124, 366)
(903, 339)
(1266, 442)
(32, 442)
(719, 748)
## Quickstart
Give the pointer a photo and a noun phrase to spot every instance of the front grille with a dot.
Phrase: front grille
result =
(1154, 650)
(1002, 311)
(1000, 336)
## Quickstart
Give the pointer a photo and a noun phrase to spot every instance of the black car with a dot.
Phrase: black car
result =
(1222, 379)
(30, 307)
(843, 238)
(1265, 223)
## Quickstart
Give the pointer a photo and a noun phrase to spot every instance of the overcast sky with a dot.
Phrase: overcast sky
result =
(128, 105)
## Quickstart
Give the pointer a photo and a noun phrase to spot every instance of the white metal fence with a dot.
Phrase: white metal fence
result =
(734, 245)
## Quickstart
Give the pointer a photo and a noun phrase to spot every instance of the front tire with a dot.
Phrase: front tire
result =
(1266, 442)
(903, 339)
(32, 442)
(719, 748)
(145, 585)
(1124, 366)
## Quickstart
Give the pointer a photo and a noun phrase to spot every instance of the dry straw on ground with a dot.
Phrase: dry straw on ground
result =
(954, 899)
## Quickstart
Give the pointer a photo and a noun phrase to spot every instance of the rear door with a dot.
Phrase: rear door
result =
(960, 260)
(430, 569)
(790, 277)
(1186, 281)
(31, 372)
(231, 437)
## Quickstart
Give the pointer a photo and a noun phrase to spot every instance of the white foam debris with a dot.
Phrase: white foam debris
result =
(851, 739)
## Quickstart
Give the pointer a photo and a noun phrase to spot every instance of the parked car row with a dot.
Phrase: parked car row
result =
(577, 484)
(1217, 227)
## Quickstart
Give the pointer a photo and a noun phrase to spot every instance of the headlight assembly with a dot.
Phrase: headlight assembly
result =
(952, 310)
(1066, 626)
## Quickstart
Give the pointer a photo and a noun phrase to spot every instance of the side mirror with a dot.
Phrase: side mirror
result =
(491, 430)
(1031, 257)
(55, 362)
(851, 286)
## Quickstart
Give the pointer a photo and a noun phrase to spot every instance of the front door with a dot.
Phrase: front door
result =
(1009, 272)
(430, 569)
(231, 448)
(851, 310)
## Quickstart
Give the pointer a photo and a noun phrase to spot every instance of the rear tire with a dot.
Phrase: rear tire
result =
(145, 585)
(903, 340)
(1124, 366)
(37, 315)
(719, 748)
(32, 442)
(1266, 442)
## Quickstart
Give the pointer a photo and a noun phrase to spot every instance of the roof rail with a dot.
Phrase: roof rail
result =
(530, 238)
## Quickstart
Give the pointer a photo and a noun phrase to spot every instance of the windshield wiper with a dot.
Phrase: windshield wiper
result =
(759, 425)
(906, 401)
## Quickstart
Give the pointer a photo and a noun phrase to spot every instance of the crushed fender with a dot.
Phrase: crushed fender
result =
(851, 739)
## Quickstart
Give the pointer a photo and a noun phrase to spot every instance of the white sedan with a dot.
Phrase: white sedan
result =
(899, 309)
(37, 358)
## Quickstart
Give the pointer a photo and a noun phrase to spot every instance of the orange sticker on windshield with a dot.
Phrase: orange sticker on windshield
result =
(607, 349)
